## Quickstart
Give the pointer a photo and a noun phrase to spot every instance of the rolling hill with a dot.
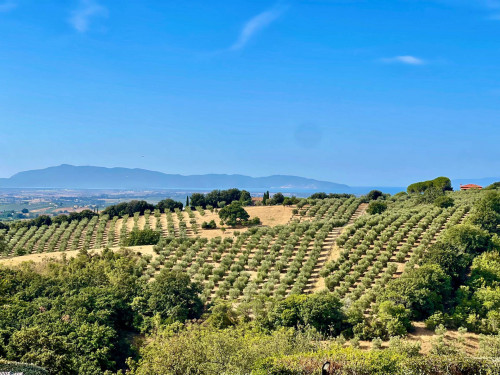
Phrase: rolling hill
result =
(89, 177)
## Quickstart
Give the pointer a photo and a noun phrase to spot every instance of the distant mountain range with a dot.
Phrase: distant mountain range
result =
(87, 177)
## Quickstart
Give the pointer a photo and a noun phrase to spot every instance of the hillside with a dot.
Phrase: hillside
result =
(368, 276)
(89, 177)
(330, 243)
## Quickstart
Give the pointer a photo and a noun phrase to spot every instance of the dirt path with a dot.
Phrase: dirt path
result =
(333, 251)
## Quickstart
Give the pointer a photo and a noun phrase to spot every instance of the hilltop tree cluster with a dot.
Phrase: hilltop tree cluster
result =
(129, 208)
(439, 184)
(220, 198)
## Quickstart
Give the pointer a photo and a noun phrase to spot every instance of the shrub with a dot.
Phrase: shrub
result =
(145, 236)
(321, 311)
(22, 368)
(210, 225)
(489, 346)
(444, 201)
(376, 207)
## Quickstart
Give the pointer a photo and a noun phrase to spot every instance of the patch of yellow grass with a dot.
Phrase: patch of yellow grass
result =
(57, 255)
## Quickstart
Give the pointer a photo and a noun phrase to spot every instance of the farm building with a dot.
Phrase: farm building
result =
(256, 201)
(470, 187)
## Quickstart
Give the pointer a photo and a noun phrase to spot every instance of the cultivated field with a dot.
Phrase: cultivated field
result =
(331, 243)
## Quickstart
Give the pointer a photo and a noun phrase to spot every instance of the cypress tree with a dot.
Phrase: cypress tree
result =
(187, 201)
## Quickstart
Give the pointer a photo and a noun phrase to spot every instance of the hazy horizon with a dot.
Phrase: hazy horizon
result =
(454, 179)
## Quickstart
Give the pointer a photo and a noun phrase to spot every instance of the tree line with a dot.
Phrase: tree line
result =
(220, 198)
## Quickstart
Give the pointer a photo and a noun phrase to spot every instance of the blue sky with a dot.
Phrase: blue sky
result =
(359, 92)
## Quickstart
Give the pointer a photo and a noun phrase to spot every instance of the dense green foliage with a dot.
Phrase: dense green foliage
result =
(439, 183)
(75, 317)
(128, 208)
(349, 361)
(233, 214)
(493, 186)
(145, 236)
(220, 198)
(486, 213)
(178, 350)
(16, 367)
(321, 311)
(411, 260)
(277, 198)
(209, 225)
(376, 207)
(168, 204)
(444, 201)
(193, 349)
(374, 195)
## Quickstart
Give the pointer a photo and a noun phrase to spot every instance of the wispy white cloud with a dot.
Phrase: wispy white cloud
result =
(406, 59)
(87, 9)
(256, 24)
(7, 6)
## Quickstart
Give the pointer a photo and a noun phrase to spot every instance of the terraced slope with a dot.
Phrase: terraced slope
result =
(330, 243)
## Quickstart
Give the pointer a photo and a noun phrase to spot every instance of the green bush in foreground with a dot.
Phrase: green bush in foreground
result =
(350, 361)
(25, 369)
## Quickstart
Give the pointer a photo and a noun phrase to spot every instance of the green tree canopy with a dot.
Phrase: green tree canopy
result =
(374, 195)
(493, 186)
(169, 204)
(174, 297)
(233, 214)
(440, 183)
(322, 311)
(444, 201)
(146, 236)
(277, 198)
(376, 207)
(422, 290)
(486, 212)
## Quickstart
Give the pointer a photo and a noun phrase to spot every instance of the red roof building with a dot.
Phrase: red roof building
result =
(470, 187)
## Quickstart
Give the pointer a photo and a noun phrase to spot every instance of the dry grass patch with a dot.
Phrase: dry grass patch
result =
(56, 255)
